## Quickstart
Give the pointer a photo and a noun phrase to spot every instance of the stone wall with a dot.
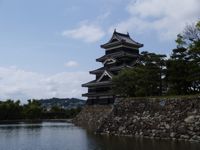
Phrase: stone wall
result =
(160, 118)
(92, 116)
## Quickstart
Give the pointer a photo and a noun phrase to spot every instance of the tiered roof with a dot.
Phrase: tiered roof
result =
(94, 83)
(114, 68)
(121, 39)
(116, 55)
(120, 46)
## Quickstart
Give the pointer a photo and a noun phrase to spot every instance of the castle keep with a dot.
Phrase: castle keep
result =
(121, 51)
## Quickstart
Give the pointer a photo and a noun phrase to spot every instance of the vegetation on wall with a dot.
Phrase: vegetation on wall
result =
(154, 74)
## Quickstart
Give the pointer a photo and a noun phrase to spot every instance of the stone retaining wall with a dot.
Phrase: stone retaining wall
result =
(160, 118)
(92, 116)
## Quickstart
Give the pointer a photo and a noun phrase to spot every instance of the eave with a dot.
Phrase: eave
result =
(94, 83)
(116, 55)
(114, 68)
(113, 44)
(97, 94)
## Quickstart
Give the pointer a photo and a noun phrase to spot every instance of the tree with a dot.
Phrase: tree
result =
(145, 79)
(184, 64)
(32, 110)
(178, 72)
(56, 109)
(124, 84)
(10, 110)
(155, 70)
(190, 36)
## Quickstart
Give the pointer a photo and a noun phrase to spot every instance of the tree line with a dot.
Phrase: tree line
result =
(14, 110)
(155, 74)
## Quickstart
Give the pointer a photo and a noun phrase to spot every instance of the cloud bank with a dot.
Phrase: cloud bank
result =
(71, 63)
(166, 18)
(20, 84)
(87, 32)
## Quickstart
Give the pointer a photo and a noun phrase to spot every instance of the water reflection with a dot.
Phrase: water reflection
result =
(66, 136)
(129, 143)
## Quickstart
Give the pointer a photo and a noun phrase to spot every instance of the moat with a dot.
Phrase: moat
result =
(66, 136)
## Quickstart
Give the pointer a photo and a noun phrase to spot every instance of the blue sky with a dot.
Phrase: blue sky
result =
(47, 47)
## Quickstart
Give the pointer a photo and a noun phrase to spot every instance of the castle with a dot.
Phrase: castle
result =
(121, 51)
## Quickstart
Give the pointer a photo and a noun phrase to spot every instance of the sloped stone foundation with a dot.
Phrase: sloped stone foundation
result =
(159, 118)
(93, 116)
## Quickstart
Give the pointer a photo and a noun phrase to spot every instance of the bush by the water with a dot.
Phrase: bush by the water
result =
(13, 110)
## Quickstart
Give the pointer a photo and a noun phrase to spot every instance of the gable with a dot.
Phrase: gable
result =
(105, 76)
(114, 39)
(109, 61)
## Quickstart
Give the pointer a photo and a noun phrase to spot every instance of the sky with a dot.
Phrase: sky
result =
(48, 47)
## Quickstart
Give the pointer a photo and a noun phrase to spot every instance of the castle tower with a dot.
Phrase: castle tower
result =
(120, 52)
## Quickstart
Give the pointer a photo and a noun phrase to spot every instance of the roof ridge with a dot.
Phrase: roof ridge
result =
(122, 34)
(121, 39)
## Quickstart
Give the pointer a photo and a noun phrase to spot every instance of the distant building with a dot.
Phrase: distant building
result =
(120, 52)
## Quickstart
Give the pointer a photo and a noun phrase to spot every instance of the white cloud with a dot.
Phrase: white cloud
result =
(71, 63)
(20, 84)
(103, 17)
(86, 32)
(166, 17)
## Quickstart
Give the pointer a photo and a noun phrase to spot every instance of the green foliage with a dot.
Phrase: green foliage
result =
(179, 75)
(124, 83)
(71, 113)
(10, 110)
(184, 65)
(198, 25)
(179, 41)
(145, 79)
(56, 109)
(32, 110)
(177, 72)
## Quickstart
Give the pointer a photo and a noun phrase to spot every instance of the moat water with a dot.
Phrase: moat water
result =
(66, 136)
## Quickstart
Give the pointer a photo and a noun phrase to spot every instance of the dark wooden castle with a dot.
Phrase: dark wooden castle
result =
(120, 52)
